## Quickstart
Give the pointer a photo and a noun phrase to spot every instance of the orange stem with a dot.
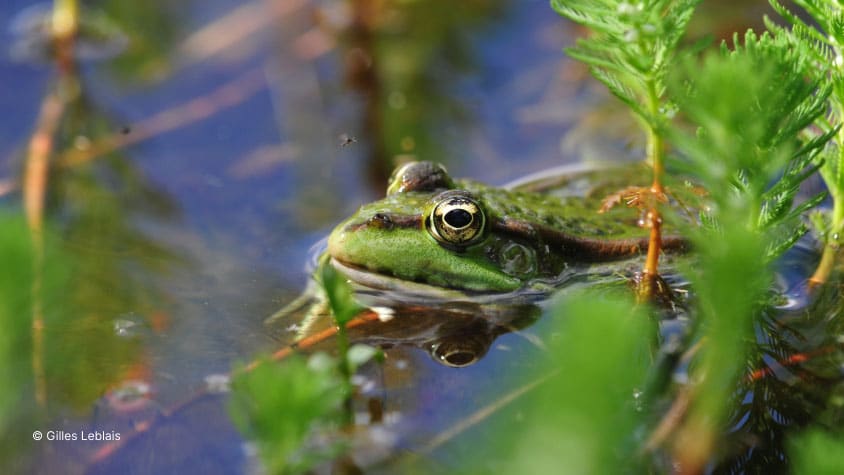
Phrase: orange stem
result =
(36, 171)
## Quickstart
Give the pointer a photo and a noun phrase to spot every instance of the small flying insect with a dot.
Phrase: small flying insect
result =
(346, 140)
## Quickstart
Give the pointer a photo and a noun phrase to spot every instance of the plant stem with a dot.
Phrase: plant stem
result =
(65, 20)
(833, 184)
(36, 173)
(830, 250)
(653, 151)
(345, 373)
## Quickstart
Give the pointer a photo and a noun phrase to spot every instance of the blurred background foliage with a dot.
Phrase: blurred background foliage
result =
(16, 404)
(407, 61)
(152, 28)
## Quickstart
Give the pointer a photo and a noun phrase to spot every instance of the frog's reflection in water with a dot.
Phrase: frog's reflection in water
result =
(453, 333)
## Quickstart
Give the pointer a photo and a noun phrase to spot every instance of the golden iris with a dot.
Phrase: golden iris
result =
(457, 220)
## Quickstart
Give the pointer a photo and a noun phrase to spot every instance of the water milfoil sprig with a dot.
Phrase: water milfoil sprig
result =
(631, 50)
(824, 46)
(784, 153)
(768, 154)
(742, 143)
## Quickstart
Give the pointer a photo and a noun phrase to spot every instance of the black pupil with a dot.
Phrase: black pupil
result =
(458, 218)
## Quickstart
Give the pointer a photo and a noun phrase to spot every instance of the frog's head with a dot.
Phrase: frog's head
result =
(429, 230)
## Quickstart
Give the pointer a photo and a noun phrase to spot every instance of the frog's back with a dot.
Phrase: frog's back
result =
(574, 214)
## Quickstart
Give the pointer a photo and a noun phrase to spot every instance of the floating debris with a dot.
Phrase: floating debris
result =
(124, 328)
(130, 396)
(129, 325)
(385, 314)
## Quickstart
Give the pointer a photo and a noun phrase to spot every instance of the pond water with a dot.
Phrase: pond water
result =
(195, 169)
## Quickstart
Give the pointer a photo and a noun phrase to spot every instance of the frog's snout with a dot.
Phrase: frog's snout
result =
(337, 242)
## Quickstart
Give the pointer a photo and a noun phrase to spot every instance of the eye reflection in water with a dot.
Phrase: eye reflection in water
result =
(462, 350)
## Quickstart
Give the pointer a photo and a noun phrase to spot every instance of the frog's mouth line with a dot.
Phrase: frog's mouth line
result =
(381, 280)
(423, 292)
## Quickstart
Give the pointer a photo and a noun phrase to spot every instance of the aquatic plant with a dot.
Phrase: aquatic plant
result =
(584, 410)
(631, 51)
(820, 42)
(761, 161)
(750, 221)
(817, 452)
(609, 409)
(282, 406)
(294, 409)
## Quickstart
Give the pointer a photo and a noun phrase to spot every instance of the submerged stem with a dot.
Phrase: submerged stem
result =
(65, 21)
(36, 173)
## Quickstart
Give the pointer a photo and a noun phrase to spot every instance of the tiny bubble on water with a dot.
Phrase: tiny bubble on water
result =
(217, 383)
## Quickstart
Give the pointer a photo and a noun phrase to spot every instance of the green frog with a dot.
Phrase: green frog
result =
(438, 231)
(448, 265)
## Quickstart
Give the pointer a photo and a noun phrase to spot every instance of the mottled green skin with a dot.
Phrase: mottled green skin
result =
(503, 260)
(574, 215)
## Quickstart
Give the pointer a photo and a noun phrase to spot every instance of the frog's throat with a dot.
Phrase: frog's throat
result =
(536, 235)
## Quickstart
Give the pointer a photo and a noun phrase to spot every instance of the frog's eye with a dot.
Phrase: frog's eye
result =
(456, 220)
